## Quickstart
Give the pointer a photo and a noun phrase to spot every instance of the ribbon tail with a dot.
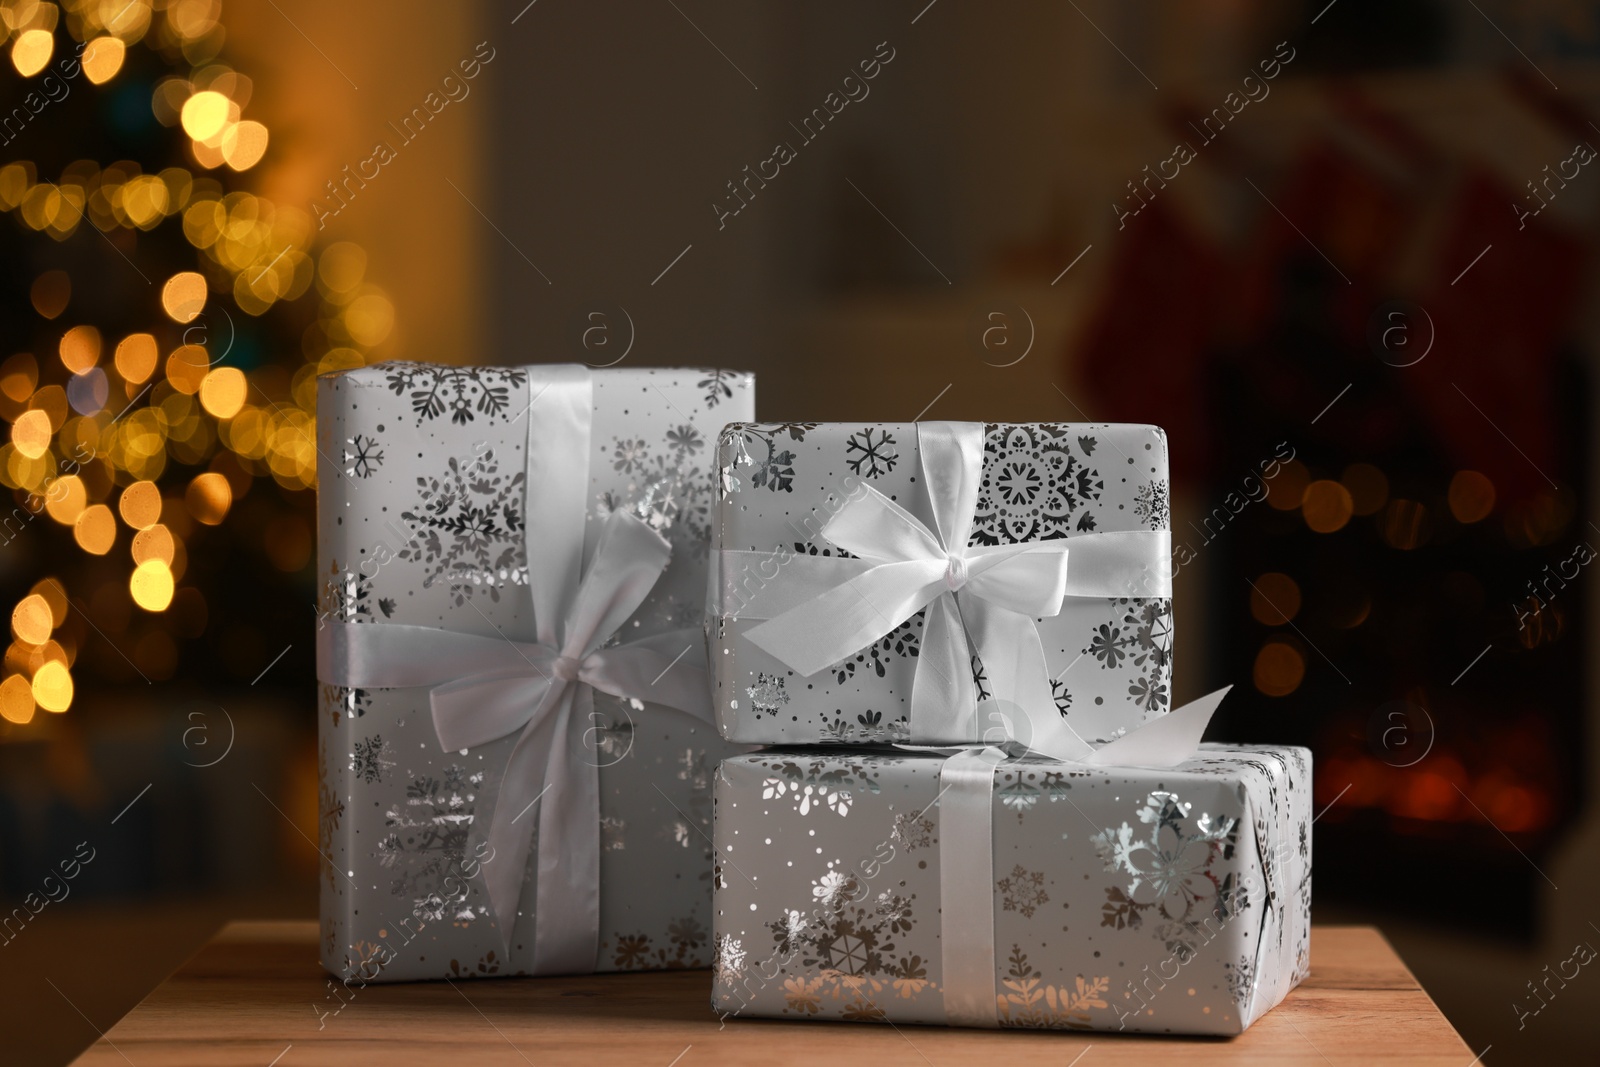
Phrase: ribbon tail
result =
(1165, 741)
(966, 887)
(667, 669)
(849, 617)
(567, 898)
(943, 697)
(511, 831)
(1013, 660)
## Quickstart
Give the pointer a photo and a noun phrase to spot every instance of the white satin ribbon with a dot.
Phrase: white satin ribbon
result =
(984, 598)
(485, 688)
(966, 849)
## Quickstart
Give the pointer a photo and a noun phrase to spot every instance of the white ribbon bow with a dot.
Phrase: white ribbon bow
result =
(485, 688)
(985, 598)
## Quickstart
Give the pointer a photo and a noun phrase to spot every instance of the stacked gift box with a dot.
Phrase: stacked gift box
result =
(977, 807)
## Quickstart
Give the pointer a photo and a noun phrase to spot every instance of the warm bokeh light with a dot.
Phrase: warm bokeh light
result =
(66, 498)
(51, 292)
(1471, 496)
(1326, 506)
(151, 585)
(136, 357)
(32, 620)
(140, 505)
(244, 144)
(184, 296)
(222, 392)
(31, 433)
(102, 58)
(205, 114)
(96, 530)
(80, 348)
(53, 595)
(31, 51)
(209, 497)
(52, 687)
(187, 368)
(16, 700)
(153, 543)
(1274, 599)
(1279, 668)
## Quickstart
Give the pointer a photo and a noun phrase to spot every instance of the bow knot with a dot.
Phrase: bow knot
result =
(567, 668)
(955, 572)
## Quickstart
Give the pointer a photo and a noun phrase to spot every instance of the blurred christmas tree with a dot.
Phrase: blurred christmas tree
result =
(161, 330)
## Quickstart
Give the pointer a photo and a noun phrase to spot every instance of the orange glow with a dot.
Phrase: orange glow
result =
(1274, 599)
(1471, 496)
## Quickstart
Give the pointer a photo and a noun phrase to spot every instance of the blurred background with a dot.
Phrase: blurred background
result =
(1341, 251)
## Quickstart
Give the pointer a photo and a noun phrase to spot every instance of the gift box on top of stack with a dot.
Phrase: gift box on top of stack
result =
(515, 732)
(983, 811)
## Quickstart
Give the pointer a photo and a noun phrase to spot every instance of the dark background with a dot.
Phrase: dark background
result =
(1349, 271)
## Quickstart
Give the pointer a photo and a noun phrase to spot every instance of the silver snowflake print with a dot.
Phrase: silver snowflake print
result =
(468, 528)
(345, 702)
(1151, 506)
(613, 834)
(912, 831)
(1241, 980)
(1023, 890)
(871, 452)
(362, 457)
(1033, 487)
(372, 759)
(685, 439)
(728, 963)
(465, 392)
(629, 455)
(346, 596)
(767, 695)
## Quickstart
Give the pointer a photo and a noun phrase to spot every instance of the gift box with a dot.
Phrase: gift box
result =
(935, 582)
(515, 731)
(982, 890)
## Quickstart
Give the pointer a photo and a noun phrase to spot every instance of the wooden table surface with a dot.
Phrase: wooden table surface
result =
(256, 995)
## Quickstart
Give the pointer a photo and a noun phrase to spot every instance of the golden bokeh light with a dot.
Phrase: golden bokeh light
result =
(80, 349)
(53, 595)
(1274, 598)
(151, 585)
(140, 505)
(1279, 669)
(1326, 506)
(184, 296)
(244, 144)
(52, 687)
(31, 51)
(208, 498)
(1368, 487)
(1288, 488)
(66, 498)
(154, 542)
(32, 620)
(102, 58)
(50, 293)
(96, 530)
(16, 700)
(222, 392)
(31, 433)
(205, 114)
(18, 376)
(187, 368)
(369, 319)
(136, 357)
(1471, 496)
(342, 266)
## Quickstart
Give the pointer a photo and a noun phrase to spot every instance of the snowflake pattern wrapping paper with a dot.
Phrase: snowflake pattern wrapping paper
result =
(421, 523)
(1161, 901)
(1109, 658)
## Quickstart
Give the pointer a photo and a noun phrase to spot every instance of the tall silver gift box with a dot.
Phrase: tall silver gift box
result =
(423, 483)
(1109, 657)
(856, 884)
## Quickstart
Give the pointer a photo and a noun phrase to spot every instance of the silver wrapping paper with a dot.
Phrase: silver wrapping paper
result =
(1161, 901)
(421, 472)
(1110, 659)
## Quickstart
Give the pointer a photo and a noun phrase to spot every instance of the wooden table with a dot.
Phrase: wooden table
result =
(255, 995)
